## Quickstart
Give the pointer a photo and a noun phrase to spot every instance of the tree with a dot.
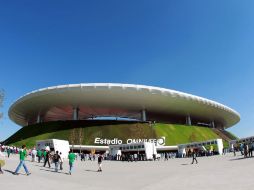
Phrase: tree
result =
(1, 102)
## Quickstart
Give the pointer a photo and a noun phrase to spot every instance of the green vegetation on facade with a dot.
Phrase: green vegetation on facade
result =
(82, 132)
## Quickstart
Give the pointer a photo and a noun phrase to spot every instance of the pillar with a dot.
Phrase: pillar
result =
(143, 115)
(188, 120)
(38, 118)
(75, 113)
(213, 124)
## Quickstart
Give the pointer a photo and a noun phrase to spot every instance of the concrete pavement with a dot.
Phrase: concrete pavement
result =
(213, 173)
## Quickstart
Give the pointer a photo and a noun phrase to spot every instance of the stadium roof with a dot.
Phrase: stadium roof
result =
(112, 99)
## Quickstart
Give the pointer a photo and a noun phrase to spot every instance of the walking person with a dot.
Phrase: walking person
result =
(47, 158)
(56, 159)
(71, 158)
(39, 155)
(100, 163)
(194, 157)
(44, 155)
(22, 155)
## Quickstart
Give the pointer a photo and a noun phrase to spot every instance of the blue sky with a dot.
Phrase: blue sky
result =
(199, 47)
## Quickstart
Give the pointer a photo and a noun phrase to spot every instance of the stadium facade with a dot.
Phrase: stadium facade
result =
(88, 101)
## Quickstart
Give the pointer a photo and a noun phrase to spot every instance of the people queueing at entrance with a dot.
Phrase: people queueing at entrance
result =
(194, 157)
(47, 158)
(39, 155)
(100, 162)
(56, 160)
(22, 156)
(71, 158)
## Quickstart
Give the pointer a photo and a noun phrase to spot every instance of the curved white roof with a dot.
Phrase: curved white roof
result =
(105, 99)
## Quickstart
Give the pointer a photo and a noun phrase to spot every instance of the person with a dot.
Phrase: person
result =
(71, 158)
(166, 156)
(46, 158)
(34, 153)
(194, 157)
(2, 162)
(39, 155)
(61, 161)
(56, 159)
(44, 155)
(22, 155)
(8, 152)
(154, 157)
(100, 163)
(245, 150)
(250, 149)
(234, 149)
(135, 157)
(82, 156)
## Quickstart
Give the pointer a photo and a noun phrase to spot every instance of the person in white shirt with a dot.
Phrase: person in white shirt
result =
(34, 153)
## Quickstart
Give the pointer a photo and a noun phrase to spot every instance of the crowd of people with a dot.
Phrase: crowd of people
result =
(47, 157)
(245, 148)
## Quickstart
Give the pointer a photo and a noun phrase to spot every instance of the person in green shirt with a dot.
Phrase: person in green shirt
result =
(39, 154)
(8, 152)
(22, 155)
(71, 158)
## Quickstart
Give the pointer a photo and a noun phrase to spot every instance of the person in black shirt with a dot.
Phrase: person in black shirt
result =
(100, 163)
(56, 159)
(194, 157)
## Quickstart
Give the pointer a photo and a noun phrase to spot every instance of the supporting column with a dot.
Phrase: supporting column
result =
(143, 115)
(75, 113)
(213, 124)
(188, 120)
(38, 118)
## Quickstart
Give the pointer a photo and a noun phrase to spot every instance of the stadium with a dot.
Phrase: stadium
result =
(82, 113)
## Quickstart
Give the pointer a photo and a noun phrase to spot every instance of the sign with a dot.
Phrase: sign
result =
(116, 141)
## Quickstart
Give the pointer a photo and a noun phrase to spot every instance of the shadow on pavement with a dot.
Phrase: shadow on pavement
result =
(53, 171)
(9, 171)
(242, 158)
(91, 170)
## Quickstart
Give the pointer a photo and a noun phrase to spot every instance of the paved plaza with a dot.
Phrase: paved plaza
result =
(215, 173)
